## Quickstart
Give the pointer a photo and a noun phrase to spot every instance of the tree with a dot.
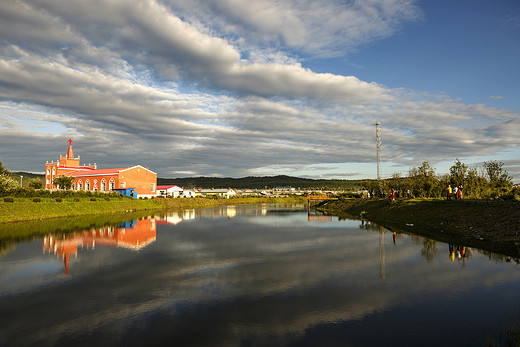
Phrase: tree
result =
(4, 171)
(497, 175)
(35, 183)
(7, 184)
(458, 172)
(63, 182)
(424, 180)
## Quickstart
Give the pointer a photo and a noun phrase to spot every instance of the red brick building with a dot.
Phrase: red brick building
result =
(89, 178)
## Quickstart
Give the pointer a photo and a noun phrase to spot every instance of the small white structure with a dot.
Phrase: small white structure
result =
(188, 194)
(223, 193)
(170, 190)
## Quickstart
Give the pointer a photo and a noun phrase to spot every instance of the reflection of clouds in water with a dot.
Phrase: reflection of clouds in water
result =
(247, 278)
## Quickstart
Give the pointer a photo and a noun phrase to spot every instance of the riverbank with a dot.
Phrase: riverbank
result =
(26, 209)
(489, 225)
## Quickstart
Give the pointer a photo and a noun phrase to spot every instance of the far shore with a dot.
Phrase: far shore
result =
(26, 209)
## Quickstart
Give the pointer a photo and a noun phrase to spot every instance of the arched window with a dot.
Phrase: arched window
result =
(79, 185)
(87, 185)
(112, 184)
(103, 185)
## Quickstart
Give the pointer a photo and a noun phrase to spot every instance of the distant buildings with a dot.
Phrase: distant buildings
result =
(136, 180)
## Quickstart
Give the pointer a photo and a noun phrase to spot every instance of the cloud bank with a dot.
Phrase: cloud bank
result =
(219, 88)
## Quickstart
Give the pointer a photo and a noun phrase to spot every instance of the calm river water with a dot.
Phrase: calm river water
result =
(267, 275)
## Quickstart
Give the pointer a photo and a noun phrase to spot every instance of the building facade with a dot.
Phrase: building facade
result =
(88, 178)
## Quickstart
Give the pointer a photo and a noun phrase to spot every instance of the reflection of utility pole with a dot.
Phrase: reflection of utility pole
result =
(381, 252)
(378, 148)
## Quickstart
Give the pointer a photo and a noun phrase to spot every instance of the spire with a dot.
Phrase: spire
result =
(66, 261)
(70, 153)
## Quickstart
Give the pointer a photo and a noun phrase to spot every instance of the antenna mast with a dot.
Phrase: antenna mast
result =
(378, 147)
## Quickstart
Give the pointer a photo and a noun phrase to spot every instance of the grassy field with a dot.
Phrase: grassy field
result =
(489, 225)
(25, 209)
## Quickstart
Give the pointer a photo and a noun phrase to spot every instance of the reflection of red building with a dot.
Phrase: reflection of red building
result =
(134, 235)
(318, 218)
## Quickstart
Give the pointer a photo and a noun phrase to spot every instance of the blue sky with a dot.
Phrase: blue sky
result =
(260, 87)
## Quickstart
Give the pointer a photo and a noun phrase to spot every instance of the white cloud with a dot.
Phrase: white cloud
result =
(208, 88)
(315, 28)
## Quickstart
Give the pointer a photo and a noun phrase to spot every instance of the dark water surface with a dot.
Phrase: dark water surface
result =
(254, 276)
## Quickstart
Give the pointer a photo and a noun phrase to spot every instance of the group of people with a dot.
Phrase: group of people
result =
(457, 251)
(455, 191)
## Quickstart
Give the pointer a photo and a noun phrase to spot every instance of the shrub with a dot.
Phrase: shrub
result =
(93, 199)
(76, 200)
(58, 200)
(8, 199)
(35, 183)
(37, 199)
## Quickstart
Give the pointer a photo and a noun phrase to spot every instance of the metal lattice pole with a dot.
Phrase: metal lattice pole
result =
(378, 147)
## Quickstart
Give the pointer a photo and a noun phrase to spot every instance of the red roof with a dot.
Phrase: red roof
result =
(79, 173)
(168, 186)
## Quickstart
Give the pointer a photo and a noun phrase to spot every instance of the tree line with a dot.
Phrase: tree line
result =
(9, 185)
(491, 181)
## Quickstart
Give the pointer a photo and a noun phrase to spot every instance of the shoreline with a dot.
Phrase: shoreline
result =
(489, 225)
(25, 209)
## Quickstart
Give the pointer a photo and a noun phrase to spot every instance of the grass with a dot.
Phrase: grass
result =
(25, 209)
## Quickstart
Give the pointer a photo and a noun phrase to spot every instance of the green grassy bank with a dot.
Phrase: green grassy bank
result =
(25, 209)
(489, 225)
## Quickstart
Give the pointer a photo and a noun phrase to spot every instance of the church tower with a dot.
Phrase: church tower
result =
(63, 166)
(69, 160)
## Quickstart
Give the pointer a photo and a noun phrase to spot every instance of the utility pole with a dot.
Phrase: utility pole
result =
(21, 181)
(378, 147)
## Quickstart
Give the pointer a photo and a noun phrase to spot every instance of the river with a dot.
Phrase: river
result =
(263, 275)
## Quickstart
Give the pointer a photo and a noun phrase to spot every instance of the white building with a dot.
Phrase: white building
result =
(188, 194)
(170, 190)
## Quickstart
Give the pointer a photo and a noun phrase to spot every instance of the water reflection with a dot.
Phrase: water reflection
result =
(253, 275)
(134, 235)
(176, 217)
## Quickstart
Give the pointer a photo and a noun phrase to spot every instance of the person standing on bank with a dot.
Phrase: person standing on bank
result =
(448, 195)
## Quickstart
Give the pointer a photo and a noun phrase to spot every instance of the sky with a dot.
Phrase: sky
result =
(234, 88)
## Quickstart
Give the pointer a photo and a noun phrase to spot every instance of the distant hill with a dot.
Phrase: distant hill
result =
(238, 183)
(27, 176)
(259, 182)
